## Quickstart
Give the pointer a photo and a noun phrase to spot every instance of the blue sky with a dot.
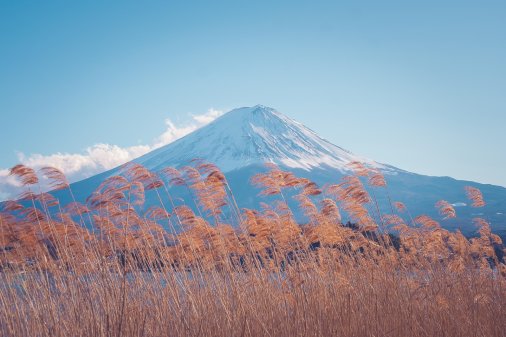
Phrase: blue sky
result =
(416, 84)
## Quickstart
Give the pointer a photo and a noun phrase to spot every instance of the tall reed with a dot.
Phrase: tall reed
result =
(113, 267)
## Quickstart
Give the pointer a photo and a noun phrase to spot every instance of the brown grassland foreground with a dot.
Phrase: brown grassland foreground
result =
(109, 267)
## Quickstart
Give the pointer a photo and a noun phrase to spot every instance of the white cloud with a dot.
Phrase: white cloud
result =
(100, 157)
(8, 185)
(174, 132)
(208, 117)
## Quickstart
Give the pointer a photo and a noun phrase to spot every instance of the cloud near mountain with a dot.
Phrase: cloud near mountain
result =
(101, 157)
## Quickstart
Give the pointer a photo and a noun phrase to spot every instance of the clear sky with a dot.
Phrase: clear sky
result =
(420, 85)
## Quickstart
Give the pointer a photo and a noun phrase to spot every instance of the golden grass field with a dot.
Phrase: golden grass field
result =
(110, 267)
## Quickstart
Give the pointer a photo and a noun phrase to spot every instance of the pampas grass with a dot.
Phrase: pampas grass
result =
(111, 267)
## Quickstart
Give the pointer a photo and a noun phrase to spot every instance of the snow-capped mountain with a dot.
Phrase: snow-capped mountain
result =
(254, 135)
(243, 140)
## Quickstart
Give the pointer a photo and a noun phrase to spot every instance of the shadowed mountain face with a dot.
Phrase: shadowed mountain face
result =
(243, 140)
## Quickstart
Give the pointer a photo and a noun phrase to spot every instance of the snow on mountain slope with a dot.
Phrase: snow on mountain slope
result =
(255, 135)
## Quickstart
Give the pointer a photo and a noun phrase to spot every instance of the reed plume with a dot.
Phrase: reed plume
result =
(377, 179)
(359, 169)
(25, 174)
(58, 180)
(475, 196)
(446, 209)
(400, 206)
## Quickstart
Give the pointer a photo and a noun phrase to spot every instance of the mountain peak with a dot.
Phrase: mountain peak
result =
(250, 112)
(254, 109)
(253, 135)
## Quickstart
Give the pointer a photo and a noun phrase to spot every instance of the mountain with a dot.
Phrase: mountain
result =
(254, 135)
(241, 141)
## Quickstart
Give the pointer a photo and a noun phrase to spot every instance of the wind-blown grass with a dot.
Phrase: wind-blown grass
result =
(110, 267)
